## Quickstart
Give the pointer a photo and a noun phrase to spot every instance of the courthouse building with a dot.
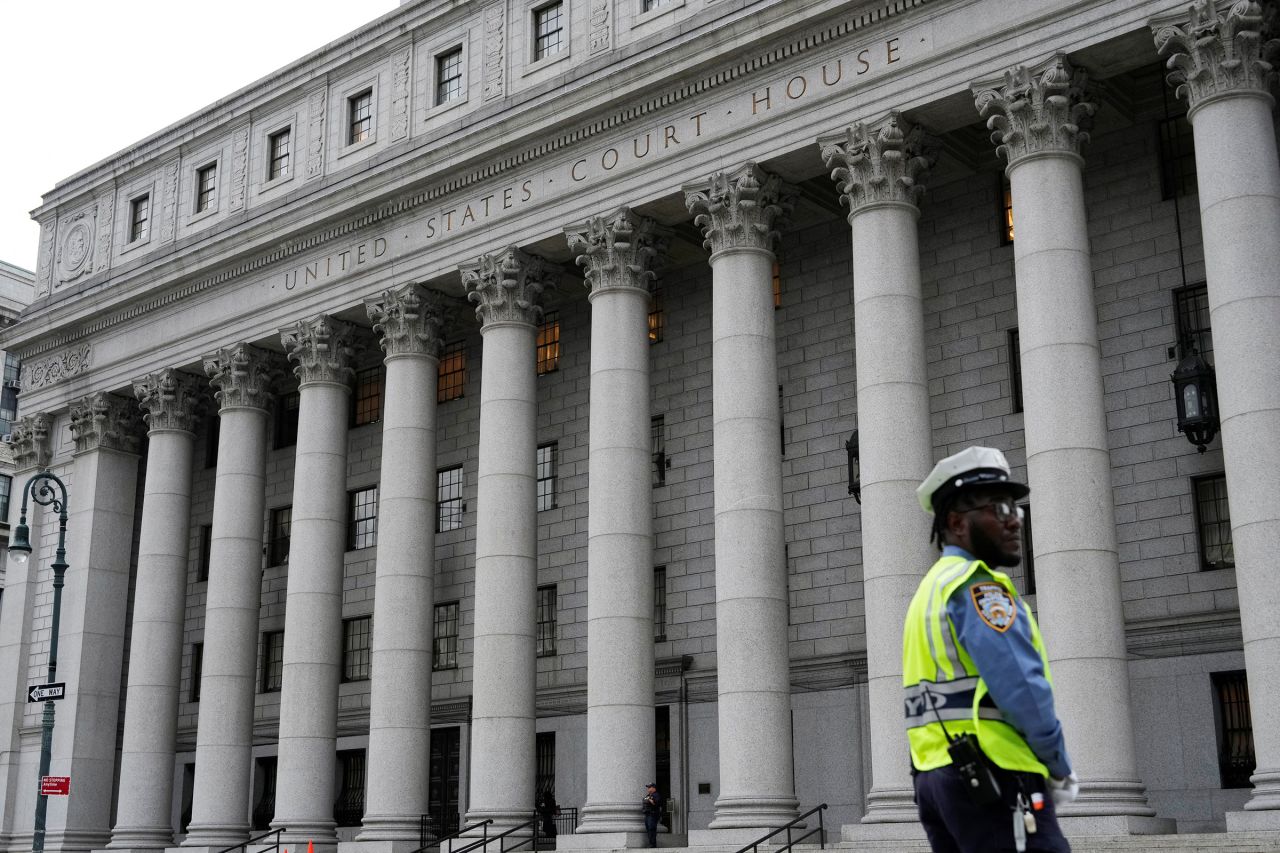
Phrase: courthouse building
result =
(531, 394)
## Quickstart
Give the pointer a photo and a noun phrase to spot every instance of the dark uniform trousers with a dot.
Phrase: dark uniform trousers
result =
(955, 824)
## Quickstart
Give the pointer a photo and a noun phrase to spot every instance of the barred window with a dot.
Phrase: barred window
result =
(360, 117)
(1028, 553)
(278, 154)
(776, 279)
(657, 317)
(197, 671)
(278, 545)
(451, 375)
(1191, 307)
(444, 639)
(449, 499)
(206, 551)
(1015, 368)
(367, 401)
(547, 477)
(212, 434)
(660, 604)
(272, 661)
(264, 810)
(362, 518)
(658, 444)
(548, 28)
(545, 761)
(288, 407)
(546, 621)
(549, 343)
(449, 76)
(356, 643)
(139, 218)
(1213, 522)
(349, 808)
(1177, 158)
(1236, 760)
(206, 187)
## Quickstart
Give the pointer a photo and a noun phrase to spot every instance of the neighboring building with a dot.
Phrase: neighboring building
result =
(415, 560)
(17, 289)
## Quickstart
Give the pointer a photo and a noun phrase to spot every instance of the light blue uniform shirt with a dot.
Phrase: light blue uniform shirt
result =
(1010, 665)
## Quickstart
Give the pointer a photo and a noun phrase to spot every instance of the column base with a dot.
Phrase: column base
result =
(890, 806)
(1254, 821)
(215, 836)
(754, 813)
(320, 834)
(611, 818)
(390, 828)
(1080, 826)
(75, 839)
(902, 831)
(140, 838)
(617, 841)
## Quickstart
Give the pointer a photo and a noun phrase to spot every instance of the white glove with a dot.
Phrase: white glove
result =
(1064, 790)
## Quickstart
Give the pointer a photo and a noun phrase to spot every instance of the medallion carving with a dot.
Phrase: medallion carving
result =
(30, 440)
(106, 421)
(242, 376)
(506, 286)
(170, 399)
(1217, 53)
(1038, 112)
(880, 163)
(617, 252)
(52, 370)
(740, 209)
(75, 248)
(322, 349)
(408, 320)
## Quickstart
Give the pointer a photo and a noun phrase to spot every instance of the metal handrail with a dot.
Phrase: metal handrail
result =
(456, 833)
(791, 842)
(244, 845)
(483, 843)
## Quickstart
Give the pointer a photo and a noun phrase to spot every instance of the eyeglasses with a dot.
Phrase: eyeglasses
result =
(1003, 509)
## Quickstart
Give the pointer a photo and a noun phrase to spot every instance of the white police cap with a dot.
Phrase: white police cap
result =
(973, 466)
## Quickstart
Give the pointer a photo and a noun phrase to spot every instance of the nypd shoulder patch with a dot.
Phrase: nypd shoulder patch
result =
(994, 605)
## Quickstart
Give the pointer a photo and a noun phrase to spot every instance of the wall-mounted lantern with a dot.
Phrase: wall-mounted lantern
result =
(1196, 392)
(855, 467)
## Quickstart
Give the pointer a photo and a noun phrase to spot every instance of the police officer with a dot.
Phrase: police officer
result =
(986, 745)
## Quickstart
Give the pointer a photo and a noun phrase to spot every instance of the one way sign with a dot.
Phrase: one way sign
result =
(43, 692)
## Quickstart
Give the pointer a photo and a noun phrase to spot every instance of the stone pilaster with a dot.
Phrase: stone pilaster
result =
(617, 253)
(321, 349)
(506, 285)
(408, 319)
(1037, 118)
(1216, 64)
(881, 169)
(170, 400)
(242, 376)
(739, 213)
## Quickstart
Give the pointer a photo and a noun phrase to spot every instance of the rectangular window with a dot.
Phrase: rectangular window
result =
(548, 29)
(360, 117)
(1191, 308)
(1028, 553)
(12, 367)
(197, 671)
(212, 434)
(278, 154)
(264, 810)
(6, 489)
(1213, 522)
(348, 810)
(8, 408)
(272, 661)
(547, 477)
(657, 317)
(1015, 368)
(777, 285)
(206, 550)
(545, 761)
(1004, 209)
(1177, 158)
(362, 518)
(660, 604)
(549, 343)
(444, 637)
(356, 643)
(449, 76)
(139, 218)
(449, 499)
(1236, 760)
(288, 407)
(650, 5)
(658, 443)
(206, 187)
(367, 401)
(278, 546)
(546, 621)
(451, 376)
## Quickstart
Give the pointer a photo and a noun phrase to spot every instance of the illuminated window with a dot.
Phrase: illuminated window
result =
(362, 519)
(1213, 522)
(451, 376)
(547, 477)
(657, 317)
(356, 643)
(368, 397)
(549, 343)
(1236, 760)
(206, 187)
(444, 641)
(272, 661)
(278, 155)
(139, 218)
(546, 621)
(448, 499)
(548, 28)
(278, 545)
(449, 76)
(360, 117)
(1004, 193)
(777, 285)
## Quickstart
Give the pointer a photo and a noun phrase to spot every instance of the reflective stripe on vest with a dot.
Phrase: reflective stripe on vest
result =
(928, 702)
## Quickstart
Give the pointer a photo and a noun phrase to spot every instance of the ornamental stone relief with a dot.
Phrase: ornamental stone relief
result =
(76, 245)
(315, 134)
(880, 162)
(1216, 53)
(106, 220)
(106, 421)
(170, 399)
(741, 209)
(494, 57)
(408, 320)
(44, 267)
(239, 168)
(322, 349)
(617, 252)
(242, 376)
(52, 370)
(600, 26)
(400, 94)
(169, 203)
(1038, 112)
(506, 286)
(30, 440)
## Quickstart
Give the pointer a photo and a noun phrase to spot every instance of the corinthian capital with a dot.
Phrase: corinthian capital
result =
(30, 441)
(322, 349)
(617, 252)
(506, 285)
(1040, 112)
(242, 376)
(105, 421)
(741, 209)
(408, 320)
(880, 163)
(169, 399)
(1216, 53)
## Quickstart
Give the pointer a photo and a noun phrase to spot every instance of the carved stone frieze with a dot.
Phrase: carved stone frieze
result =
(601, 27)
(170, 399)
(322, 349)
(506, 285)
(617, 251)
(106, 222)
(494, 54)
(400, 94)
(741, 209)
(315, 133)
(76, 244)
(44, 266)
(239, 168)
(55, 368)
(1042, 112)
(880, 163)
(1217, 53)
(408, 320)
(242, 376)
(106, 421)
(169, 203)
(31, 441)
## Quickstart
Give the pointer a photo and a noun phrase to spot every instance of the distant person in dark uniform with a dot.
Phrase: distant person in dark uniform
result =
(652, 805)
(547, 809)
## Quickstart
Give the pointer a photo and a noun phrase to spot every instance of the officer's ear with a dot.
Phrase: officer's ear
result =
(957, 524)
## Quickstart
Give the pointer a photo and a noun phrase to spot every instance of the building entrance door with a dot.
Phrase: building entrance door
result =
(442, 793)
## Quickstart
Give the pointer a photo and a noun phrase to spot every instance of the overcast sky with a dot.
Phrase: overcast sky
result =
(84, 79)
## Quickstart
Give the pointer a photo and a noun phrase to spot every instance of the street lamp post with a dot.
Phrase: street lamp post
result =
(40, 489)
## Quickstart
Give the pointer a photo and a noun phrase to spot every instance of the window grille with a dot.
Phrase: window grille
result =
(362, 519)
(777, 285)
(360, 123)
(545, 759)
(197, 670)
(264, 811)
(212, 433)
(660, 604)
(281, 525)
(451, 375)
(206, 187)
(288, 407)
(449, 76)
(549, 343)
(449, 499)
(272, 661)
(444, 642)
(356, 643)
(657, 317)
(206, 552)
(1028, 553)
(1177, 158)
(547, 476)
(658, 445)
(278, 155)
(349, 808)
(1213, 522)
(548, 30)
(546, 621)
(1236, 760)
(1015, 368)
(1191, 307)
(367, 400)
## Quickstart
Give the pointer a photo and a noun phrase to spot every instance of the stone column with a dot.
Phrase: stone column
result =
(1217, 68)
(616, 254)
(408, 319)
(169, 399)
(881, 169)
(321, 349)
(242, 376)
(100, 501)
(1036, 117)
(738, 212)
(32, 451)
(506, 286)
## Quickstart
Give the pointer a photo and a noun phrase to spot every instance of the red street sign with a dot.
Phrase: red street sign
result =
(55, 786)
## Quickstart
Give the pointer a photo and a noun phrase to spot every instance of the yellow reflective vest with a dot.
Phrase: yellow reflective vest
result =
(942, 683)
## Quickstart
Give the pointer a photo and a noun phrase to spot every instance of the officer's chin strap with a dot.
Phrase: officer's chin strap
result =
(1024, 819)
